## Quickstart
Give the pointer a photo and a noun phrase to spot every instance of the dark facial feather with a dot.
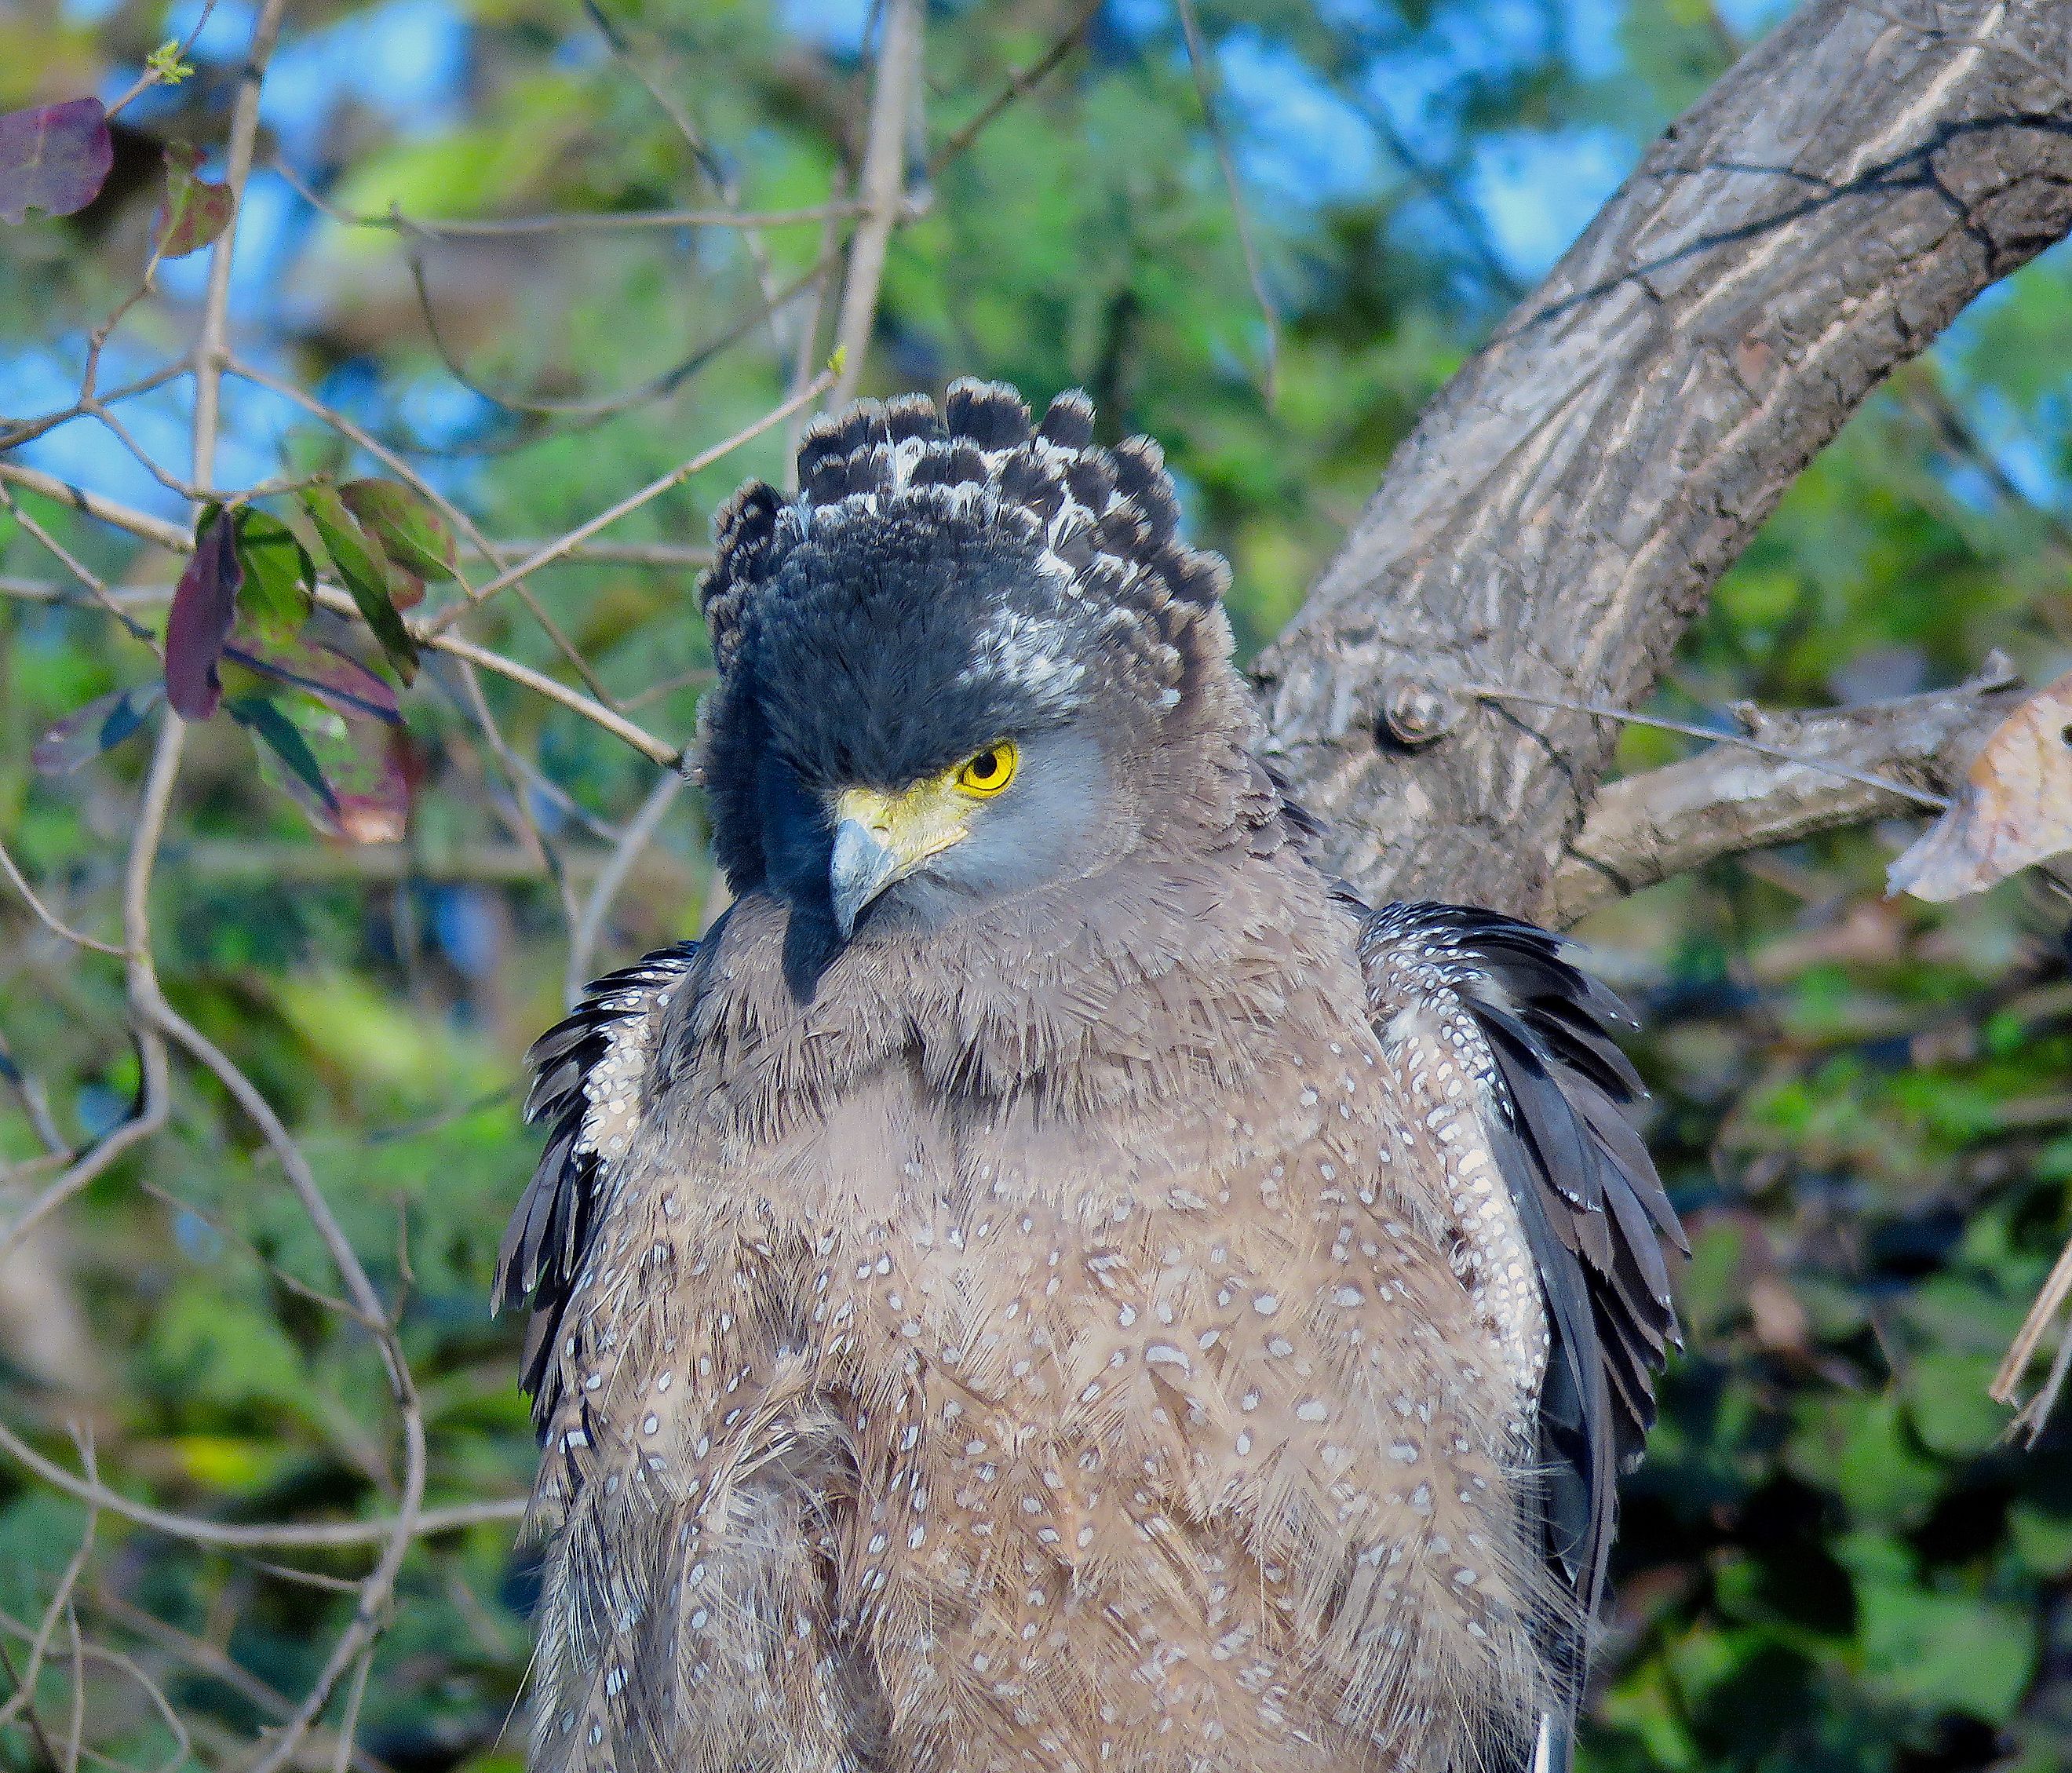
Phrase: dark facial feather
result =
(940, 582)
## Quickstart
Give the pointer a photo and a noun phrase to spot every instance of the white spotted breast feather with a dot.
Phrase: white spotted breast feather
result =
(589, 1073)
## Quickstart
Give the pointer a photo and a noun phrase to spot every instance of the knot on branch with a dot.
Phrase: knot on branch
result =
(1415, 712)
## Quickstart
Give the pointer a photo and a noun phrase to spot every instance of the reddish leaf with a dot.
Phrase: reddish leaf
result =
(54, 158)
(100, 725)
(379, 810)
(195, 211)
(406, 591)
(410, 531)
(204, 605)
(331, 676)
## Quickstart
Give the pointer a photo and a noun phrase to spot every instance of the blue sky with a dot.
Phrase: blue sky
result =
(1298, 143)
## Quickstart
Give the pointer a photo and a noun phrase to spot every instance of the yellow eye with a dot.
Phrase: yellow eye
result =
(988, 772)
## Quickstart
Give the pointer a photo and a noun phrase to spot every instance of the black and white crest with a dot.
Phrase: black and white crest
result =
(942, 578)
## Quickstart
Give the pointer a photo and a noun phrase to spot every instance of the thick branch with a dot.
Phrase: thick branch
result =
(1563, 508)
(1727, 800)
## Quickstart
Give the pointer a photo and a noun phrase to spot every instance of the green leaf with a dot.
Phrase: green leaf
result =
(166, 62)
(279, 577)
(411, 532)
(281, 740)
(363, 565)
(1945, 1395)
(1947, 1653)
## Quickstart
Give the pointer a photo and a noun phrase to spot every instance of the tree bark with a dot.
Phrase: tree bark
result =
(1563, 508)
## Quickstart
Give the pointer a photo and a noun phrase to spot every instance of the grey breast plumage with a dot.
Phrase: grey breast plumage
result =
(1156, 1314)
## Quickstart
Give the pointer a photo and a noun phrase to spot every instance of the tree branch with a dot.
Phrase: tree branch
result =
(884, 168)
(1727, 801)
(1563, 508)
(212, 348)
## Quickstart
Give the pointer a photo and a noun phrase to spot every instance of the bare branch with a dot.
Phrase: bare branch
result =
(16, 432)
(1564, 506)
(667, 555)
(589, 221)
(1020, 83)
(204, 1657)
(639, 830)
(140, 524)
(212, 348)
(271, 1536)
(154, 1099)
(1728, 799)
(95, 588)
(45, 915)
(565, 545)
(1197, 65)
(897, 91)
(669, 756)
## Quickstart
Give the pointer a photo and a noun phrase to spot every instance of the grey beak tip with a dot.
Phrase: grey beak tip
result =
(859, 869)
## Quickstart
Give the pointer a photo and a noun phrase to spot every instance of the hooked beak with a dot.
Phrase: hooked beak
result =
(881, 838)
(861, 869)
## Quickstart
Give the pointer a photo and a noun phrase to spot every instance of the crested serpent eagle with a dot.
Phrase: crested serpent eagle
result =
(1053, 1281)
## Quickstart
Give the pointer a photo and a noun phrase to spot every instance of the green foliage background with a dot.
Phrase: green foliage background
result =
(1830, 1559)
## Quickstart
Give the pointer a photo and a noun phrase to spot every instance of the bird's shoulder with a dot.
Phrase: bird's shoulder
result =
(1553, 1096)
(589, 1082)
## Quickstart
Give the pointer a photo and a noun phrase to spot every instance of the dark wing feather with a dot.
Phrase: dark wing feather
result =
(1593, 1210)
(545, 1245)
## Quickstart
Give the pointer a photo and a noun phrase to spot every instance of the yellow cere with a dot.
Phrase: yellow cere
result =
(988, 772)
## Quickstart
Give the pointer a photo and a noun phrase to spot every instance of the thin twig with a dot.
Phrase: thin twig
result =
(212, 346)
(24, 1697)
(2007, 1383)
(674, 554)
(714, 167)
(574, 221)
(1022, 81)
(894, 97)
(268, 1535)
(379, 1586)
(1921, 796)
(154, 1103)
(95, 588)
(563, 545)
(142, 523)
(597, 407)
(671, 756)
(348, 1724)
(16, 432)
(46, 916)
(520, 818)
(1198, 64)
(28, 1703)
(206, 1659)
(640, 829)
(152, 77)
(805, 348)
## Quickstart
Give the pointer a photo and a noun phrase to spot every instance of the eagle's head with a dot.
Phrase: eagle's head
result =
(970, 659)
